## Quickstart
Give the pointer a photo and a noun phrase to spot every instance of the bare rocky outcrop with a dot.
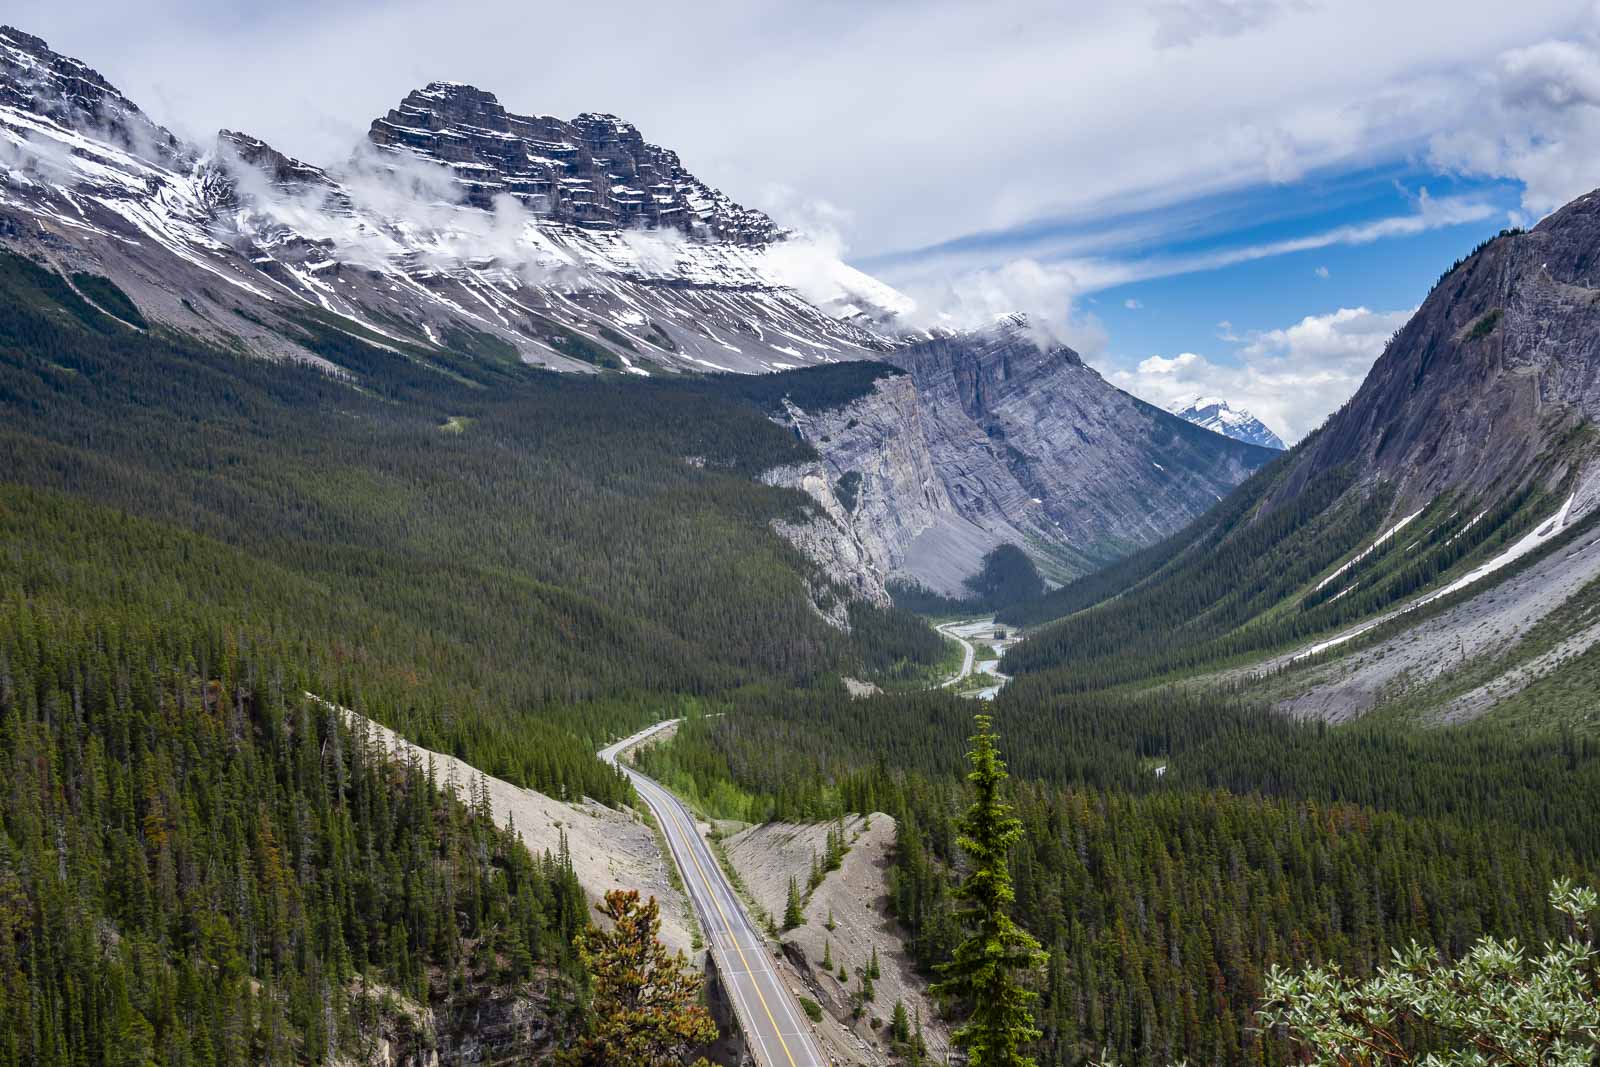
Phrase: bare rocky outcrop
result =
(989, 439)
(596, 170)
(610, 849)
(857, 898)
(1493, 383)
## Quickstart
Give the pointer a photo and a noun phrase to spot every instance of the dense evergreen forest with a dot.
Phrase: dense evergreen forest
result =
(201, 865)
(511, 564)
(1178, 843)
(203, 552)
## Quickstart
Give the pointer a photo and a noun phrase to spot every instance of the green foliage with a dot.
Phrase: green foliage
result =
(1164, 900)
(203, 865)
(1513, 231)
(574, 345)
(815, 389)
(793, 908)
(848, 489)
(994, 953)
(894, 646)
(1250, 584)
(660, 337)
(479, 344)
(1496, 1005)
(900, 1023)
(514, 595)
(199, 864)
(1007, 576)
(1485, 325)
(614, 337)
(1007, 579)
(104, 292)
(645, 1009)
(812, 1009)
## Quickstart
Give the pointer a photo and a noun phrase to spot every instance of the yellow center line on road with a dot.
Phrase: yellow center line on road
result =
(715, 903)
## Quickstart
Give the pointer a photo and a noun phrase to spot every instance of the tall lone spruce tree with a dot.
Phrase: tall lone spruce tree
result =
(984, 971)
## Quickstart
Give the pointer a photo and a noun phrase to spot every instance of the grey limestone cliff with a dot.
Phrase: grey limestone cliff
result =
(988, 439)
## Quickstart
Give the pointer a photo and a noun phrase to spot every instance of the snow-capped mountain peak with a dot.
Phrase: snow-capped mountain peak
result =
(1217, 415)
(574, 244)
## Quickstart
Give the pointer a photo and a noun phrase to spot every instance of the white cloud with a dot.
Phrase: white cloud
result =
(924, 119)
(1536, 119)
(1321, 272)
(1183, 22)
(1290, 378)
(1131, 304)
(1091, 274)
(976, 298)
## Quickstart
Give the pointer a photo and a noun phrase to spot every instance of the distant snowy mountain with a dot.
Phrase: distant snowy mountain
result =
(460, 231)
(1215, 414)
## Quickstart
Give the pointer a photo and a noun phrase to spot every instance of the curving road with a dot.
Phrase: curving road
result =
(967, 651)
(778, 1032)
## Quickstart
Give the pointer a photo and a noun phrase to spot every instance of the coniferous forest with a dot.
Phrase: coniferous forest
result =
(202, 552)
(203, 555)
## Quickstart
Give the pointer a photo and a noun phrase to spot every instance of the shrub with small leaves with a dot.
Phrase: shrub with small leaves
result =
(1498, 1005)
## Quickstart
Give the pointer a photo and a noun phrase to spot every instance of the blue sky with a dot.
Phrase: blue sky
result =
(1229, 278)
(1202, 158)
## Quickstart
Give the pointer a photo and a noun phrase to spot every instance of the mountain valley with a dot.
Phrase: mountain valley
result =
(439, 588)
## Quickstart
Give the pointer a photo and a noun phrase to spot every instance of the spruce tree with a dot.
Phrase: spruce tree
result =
(646, 1009)
(900, 1023)
(793, 909)
(984, 972)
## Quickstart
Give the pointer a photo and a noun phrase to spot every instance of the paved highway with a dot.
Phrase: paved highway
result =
(967, 652)
(776, 1027)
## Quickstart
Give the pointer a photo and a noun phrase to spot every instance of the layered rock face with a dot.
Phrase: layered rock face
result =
(1495, 381)
(35, 79)
(596, 171)
(989, 439)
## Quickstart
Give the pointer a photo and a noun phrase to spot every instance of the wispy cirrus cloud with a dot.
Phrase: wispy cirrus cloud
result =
(1048, 289)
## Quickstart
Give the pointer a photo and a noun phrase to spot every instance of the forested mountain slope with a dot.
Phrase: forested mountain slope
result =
(200, 864)
(1467, 458)
(534, 540)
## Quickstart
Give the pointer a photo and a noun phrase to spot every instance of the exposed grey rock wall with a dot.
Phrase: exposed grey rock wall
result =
(989, 439)
(1494, 382)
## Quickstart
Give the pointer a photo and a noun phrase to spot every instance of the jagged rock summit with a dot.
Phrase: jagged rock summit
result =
(1218, 416)
(595, 171)
(35, 79)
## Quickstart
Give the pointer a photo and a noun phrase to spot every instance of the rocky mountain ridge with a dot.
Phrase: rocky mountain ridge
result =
(460, 229)
(596, 171)
(990, 439)
(1493, 384)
